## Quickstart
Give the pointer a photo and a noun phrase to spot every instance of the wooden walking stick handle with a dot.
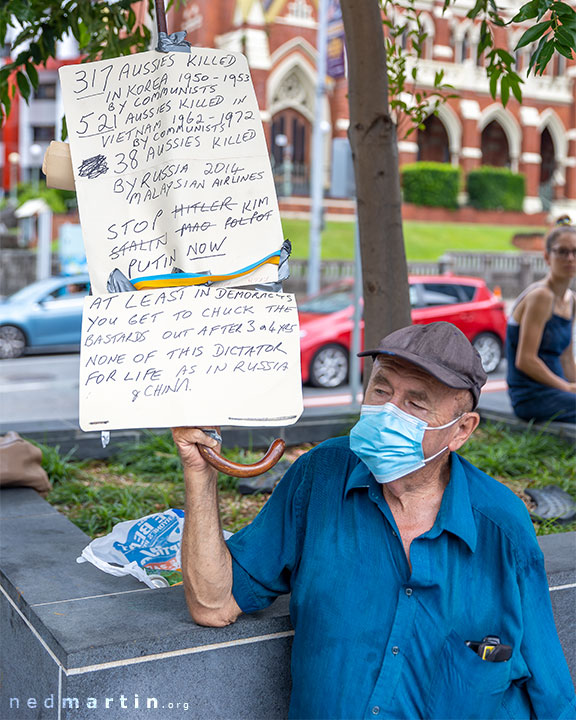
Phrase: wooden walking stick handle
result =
(273, 454)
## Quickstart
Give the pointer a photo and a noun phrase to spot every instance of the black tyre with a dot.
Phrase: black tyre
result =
(12, 342)
(329, 367)
(490, 350)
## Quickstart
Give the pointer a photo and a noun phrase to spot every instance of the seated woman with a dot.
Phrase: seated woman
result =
(541, 369)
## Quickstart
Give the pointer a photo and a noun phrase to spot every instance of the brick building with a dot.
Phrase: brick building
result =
(537, 138)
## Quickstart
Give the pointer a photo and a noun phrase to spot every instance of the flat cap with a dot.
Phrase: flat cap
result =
(440, 349)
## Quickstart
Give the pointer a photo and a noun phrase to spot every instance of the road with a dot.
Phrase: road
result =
(41, 388)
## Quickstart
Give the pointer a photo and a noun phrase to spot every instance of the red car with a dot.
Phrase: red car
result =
(326, 322)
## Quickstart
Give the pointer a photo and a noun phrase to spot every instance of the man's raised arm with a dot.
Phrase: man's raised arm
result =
(206, 561)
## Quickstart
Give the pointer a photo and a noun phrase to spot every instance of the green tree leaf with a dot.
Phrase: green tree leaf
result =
(494, 83)
(23, 84)
(505, 56)
(543, 7)
(533, 33)
(515, 81)
(536, 54)
(505, 90)
(563, 50)
(566, 36)
(32, 74)
(477, 9)
(544, 58)
(530, 10)
(563, 10)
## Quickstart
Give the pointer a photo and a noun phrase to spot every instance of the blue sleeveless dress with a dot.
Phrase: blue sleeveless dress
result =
(532, 400)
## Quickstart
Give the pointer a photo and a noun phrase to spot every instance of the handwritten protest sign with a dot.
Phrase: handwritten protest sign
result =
(171, 169)
(189, 356)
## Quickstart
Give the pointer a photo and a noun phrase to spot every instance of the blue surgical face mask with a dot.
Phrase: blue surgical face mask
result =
(389, 441)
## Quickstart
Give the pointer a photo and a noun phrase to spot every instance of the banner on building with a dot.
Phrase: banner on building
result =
(336, 50)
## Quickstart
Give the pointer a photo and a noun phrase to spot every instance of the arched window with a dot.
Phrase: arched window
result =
(464, 47)
(560, 68)
(548, 155)
(291, 134)
(404, 40)
(547, 169)
(495, 149)
(433, 144)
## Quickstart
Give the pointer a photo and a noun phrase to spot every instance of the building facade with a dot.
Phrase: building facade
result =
(536, 138)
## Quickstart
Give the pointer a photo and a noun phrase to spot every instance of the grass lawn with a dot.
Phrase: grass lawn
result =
(424, 241)
(147, 478)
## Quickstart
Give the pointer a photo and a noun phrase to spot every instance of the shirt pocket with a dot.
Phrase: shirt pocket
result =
(463, 685)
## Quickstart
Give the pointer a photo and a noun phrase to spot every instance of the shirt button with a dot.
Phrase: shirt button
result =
(395, 650)
(394, 533)
(408, 591)
(375, 710)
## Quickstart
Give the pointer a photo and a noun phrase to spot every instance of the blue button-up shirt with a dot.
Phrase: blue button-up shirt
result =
(374, 639)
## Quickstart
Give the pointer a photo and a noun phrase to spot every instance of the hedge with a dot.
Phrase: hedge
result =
(495, 188)
(431, 183)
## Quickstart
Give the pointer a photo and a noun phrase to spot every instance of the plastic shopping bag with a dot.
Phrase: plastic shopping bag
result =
(147, 548)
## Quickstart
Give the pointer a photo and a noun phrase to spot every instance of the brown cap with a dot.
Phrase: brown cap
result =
(440, 349)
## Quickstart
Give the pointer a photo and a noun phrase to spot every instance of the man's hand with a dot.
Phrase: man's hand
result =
(186, 440)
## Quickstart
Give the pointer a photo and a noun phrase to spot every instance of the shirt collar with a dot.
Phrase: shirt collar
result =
(455, 514)
(360, 477)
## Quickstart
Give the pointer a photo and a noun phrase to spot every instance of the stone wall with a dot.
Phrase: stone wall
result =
(18, 269)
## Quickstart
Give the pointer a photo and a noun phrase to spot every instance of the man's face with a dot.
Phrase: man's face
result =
(417, 393)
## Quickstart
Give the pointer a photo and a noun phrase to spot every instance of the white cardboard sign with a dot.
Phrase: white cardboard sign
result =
(171, 167)
(189, 356)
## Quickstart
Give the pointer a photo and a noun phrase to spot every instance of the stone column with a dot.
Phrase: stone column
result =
(570, 186)
(530, 158)
(407, 151)
(470, 153)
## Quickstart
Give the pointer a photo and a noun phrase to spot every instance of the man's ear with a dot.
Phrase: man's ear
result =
(464, 428)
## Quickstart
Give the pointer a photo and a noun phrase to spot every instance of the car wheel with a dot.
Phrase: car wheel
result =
(12, 342)
(490, 350)
(329, 367)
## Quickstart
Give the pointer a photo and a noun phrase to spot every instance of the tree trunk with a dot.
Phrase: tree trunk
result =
(372, 135)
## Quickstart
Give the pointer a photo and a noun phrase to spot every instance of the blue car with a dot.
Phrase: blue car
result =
(44, 315)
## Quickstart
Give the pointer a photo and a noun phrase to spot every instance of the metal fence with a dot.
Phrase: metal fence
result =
(511, 272)
(292, 179)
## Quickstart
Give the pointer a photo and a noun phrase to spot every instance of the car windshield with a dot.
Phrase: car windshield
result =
(327, 303)
(39, 290)
(28, 292)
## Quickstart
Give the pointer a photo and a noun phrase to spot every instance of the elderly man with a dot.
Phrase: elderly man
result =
(418, 587)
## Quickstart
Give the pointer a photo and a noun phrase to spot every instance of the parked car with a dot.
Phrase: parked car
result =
(44, 315)
(326, 322)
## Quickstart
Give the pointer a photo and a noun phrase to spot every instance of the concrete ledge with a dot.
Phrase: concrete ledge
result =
(79, 644)
(71, 631)
(498, 408)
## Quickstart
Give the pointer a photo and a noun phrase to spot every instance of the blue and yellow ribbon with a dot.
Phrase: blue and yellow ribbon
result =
(182, 279)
